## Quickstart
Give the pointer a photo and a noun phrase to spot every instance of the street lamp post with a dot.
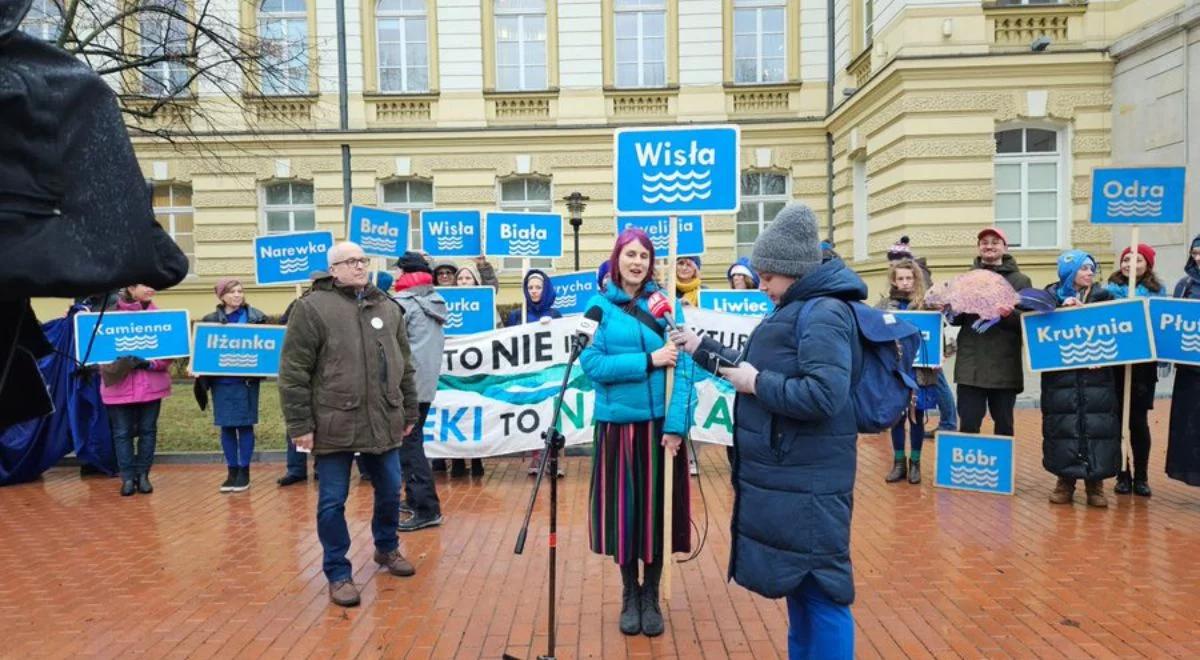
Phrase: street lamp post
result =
(576, 203)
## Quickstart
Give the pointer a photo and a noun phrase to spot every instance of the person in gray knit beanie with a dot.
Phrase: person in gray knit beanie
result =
(790, 245)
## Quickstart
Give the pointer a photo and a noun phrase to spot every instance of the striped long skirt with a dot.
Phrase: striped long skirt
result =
(625, 511)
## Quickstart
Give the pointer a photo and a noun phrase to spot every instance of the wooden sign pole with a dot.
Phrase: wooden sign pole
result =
(669, 456)
(1126, 445)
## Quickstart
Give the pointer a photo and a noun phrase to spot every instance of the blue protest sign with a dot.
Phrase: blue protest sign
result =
(1138, 195)
(451, 233)
(573, 290)
(379, 232)
(236, 349)
(469, 309)
(930, 325)
(1096, 335)
(690, 236)
(677, 169)
(150, 335)
(289, 258)
(1176, 325)
(523, 234)
(743, 302)
(974, 462)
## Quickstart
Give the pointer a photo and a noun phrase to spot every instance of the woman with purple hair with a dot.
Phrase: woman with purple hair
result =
(636, 427)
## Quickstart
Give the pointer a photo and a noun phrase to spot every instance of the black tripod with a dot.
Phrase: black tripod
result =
(549, 465)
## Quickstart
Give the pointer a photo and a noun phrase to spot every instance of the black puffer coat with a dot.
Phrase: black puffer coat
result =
(1081, 431)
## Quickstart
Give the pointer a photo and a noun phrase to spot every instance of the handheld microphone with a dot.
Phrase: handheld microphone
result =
(660, 307)
(587, 326)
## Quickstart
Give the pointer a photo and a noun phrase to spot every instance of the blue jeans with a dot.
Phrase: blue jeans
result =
(818, 628)
(334, 487)
(238, 444)
(947, 411)
(129, 420)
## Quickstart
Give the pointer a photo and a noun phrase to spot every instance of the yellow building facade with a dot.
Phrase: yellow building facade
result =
(929, 118)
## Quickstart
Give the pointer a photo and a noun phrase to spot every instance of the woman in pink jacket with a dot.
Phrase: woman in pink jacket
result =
(132, 390)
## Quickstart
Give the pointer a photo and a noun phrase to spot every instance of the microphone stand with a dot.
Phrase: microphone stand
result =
(555, 441)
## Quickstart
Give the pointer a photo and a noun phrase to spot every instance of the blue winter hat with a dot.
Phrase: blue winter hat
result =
(1069, 264)
(384, 280)
(602, 274)
(742, 267)
(695, 260)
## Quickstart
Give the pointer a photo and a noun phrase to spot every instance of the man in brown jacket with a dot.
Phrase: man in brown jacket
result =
(346, 384)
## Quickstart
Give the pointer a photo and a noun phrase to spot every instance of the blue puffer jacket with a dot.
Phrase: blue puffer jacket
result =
(618, 362)
(795, 442)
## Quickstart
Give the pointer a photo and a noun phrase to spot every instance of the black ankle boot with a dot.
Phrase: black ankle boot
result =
(128, 487)
(143, 484)
(899, 471)
(631, 611)
(230, 481)
(1141, 487)
(1124, 483)
(914, 471)
(652, 620)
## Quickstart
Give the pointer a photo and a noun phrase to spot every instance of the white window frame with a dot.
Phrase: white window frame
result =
(1024, 159)
(44, 20)
(284, 79)
(159, 79)
(170, 211)
(868, 23)
(414, 208)
(404, 16)
(521, 14)
(513, 264)
(861, 183)
(291, 207)
(757, 6)
(640, 11)
(759, 200)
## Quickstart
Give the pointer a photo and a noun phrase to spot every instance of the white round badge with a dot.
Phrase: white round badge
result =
(377, 323)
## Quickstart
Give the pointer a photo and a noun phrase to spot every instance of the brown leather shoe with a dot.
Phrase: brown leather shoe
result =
(395, 563)
(1095, 493)
(1064, 491)
(343, 593)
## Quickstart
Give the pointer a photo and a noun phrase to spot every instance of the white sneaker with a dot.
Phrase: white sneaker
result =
(693, 468)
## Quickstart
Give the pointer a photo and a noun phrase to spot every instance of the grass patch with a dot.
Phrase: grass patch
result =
(182, 426)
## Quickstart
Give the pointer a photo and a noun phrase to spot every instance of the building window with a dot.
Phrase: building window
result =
(862, 218)
(173, 210)
(289, 207)
(520, 45)
(410, 195)
(763, 195)
(163, 36)
(868, 23)
(529, 195)
(403, 46)
(639, 28)
(44, 20)
(759, 36)
(283, 29)
(1029, 184)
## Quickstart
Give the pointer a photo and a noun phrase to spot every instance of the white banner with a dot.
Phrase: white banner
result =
(496, 391)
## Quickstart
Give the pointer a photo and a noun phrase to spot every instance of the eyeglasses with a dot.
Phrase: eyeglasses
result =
(360, 262)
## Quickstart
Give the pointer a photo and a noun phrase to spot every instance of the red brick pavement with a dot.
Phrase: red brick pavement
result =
(188, 572)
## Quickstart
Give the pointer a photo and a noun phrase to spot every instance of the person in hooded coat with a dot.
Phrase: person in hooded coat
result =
(424, 317)
(1081, 433)
(539, 307)
(741, 275)
(1183, 439)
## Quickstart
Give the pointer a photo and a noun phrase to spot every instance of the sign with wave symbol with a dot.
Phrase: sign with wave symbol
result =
(689, 233)
(1098, 335)
(237, 349)
(456, 233)
(1176, 325)
(1138, 195)
(523, 234)
(153, 334)
(290, 258)
(469, 309)
(967, 461)
(572, 291)
(380, 232)
(676, 169)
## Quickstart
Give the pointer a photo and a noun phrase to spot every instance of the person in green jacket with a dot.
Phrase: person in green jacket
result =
(347, 384)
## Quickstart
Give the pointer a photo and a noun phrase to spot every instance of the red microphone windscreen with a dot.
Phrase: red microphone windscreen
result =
(660, 307)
